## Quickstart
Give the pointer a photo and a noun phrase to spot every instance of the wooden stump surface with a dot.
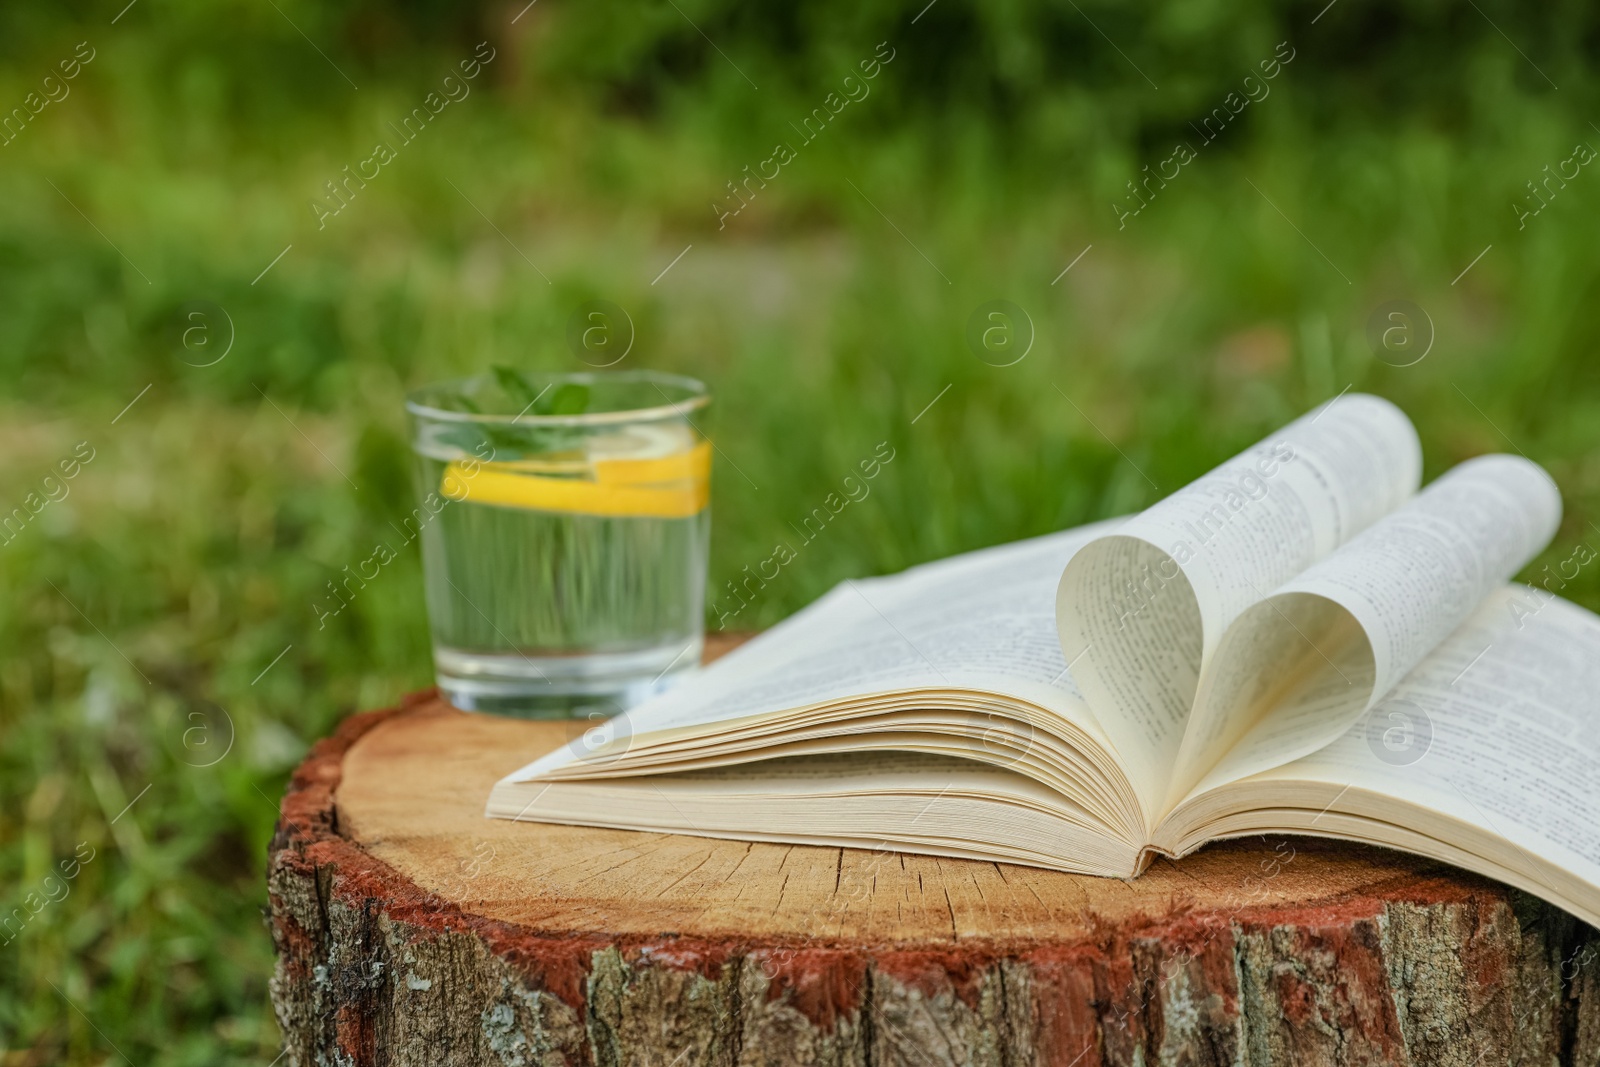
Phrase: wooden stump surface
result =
(412, 930)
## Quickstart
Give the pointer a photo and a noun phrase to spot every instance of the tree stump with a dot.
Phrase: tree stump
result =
(411, 930)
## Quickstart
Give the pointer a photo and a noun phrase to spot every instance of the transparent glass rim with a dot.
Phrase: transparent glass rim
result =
(698, 396)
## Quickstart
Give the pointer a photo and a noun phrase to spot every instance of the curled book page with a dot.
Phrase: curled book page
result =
(1141, 611)
(1297, 669)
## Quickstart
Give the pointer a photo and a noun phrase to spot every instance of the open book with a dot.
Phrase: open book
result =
(1298, 641)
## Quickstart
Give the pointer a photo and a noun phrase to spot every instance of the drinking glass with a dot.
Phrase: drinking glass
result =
(565, 525)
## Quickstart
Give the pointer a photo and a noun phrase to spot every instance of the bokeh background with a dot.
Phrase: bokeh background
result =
(162, 666)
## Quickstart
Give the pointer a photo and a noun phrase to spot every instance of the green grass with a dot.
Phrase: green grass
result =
(140, 611)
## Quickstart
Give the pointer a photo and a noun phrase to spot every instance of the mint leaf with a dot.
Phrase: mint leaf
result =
(514, 385)
(570, 398)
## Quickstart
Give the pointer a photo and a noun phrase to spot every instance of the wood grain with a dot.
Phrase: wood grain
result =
(413, 793)
(411, 929)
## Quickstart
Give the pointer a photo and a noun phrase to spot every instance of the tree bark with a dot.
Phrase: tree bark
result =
(411, 930)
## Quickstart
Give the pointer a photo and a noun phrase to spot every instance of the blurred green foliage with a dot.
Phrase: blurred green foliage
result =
(142, 610)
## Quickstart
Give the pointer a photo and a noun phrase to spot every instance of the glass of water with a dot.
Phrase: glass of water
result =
(565, 525)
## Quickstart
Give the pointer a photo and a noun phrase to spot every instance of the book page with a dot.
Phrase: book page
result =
(1140, 612)
(981, 621)
(1499, 728)
(1294, 671)
(872, 800)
